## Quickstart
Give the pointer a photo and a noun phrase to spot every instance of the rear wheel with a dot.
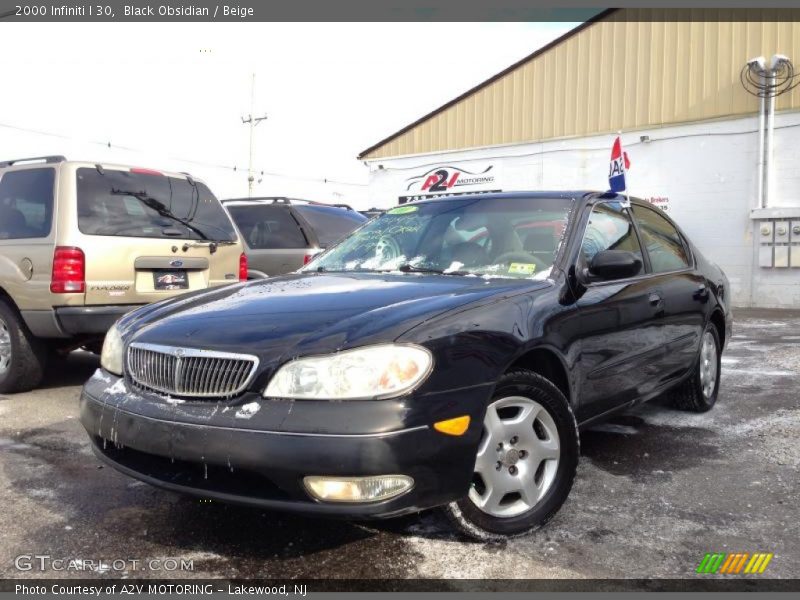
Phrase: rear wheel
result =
(526, 460)
(699, 392)
(22, 356)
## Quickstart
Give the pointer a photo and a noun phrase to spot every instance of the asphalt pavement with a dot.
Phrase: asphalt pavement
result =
(656, 489)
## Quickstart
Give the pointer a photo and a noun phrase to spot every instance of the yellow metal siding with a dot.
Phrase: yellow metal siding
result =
(636, 68)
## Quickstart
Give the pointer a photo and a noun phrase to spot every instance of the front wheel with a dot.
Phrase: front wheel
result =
(526, 460)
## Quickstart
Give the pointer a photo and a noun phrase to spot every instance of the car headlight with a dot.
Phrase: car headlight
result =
(111, 357)
(371, 372)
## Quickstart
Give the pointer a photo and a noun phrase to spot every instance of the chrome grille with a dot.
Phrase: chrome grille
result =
(189, 372)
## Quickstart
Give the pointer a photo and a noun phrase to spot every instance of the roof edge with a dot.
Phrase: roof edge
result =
(601, 15)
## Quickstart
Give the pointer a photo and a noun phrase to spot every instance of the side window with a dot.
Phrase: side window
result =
(609, 228)
(330, 224)
(663, 242)
(26, 203)
(268, 227)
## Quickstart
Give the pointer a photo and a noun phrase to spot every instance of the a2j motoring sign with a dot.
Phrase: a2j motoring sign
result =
(449, 180)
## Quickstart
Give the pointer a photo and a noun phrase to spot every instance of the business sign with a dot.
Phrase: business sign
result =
(449, 180)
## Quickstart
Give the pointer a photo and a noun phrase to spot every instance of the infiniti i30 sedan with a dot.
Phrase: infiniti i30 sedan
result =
(445, 354)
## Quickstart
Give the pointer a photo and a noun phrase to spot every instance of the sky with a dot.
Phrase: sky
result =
(171, 96)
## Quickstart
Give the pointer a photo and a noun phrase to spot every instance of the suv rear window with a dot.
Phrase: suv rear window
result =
(268, 227)
(129, 204)
(26, 203)
(330, 223)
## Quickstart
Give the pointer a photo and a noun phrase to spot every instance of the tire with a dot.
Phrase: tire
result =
(696, 394)
(539, 454)
(22, 356)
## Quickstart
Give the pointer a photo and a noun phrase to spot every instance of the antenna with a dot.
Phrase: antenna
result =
(252, 122)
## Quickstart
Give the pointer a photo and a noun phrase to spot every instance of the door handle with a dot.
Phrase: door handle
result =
(655, 299)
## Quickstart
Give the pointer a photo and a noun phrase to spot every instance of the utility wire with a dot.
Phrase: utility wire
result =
(109, 145)
(775, 82)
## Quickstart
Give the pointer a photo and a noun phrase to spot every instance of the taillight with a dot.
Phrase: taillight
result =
(307, 258)
(69, 270)
(242, 267)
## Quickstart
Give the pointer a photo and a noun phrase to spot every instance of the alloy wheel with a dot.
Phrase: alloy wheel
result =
(708, 365)
(5, 347)
(517, 457)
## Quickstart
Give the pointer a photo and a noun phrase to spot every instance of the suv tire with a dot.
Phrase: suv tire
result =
(22, 356)
(538, 453)
(699, 392)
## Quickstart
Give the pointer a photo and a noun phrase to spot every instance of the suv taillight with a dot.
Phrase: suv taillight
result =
(307, 258)
(69, 271)
(242, 267)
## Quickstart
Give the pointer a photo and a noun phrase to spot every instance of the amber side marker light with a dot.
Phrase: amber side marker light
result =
(456, 426)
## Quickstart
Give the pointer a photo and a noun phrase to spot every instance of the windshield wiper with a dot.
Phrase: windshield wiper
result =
(161, 209)
(409, 268)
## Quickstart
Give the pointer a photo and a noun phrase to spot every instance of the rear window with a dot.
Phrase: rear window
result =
(268, 227)
(26, 203)
(329, 223)
(121, 203)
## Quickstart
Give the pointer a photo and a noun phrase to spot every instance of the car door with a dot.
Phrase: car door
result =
(27, 235)
(683, 290)
(620, 345)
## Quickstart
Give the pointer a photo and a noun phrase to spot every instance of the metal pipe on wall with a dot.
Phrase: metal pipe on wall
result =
(762, 124)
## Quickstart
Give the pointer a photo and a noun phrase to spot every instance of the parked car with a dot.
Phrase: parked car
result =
(83, 243)
(445, 354)
(282, 234)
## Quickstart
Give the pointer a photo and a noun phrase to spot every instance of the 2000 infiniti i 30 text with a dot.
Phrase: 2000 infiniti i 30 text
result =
(444, 355)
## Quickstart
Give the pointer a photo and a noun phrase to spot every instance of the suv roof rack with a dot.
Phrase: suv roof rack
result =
(285, 200)
(270, 199)
(56, 158)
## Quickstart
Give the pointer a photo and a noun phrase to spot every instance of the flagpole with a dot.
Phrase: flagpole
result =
(624, 170)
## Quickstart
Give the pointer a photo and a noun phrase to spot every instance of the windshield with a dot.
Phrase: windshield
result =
(493, 237)
(124, 203)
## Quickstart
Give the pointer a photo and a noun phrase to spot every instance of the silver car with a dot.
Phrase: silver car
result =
(280, 235)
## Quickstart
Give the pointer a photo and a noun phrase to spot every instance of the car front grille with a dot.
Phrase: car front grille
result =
(189, 372)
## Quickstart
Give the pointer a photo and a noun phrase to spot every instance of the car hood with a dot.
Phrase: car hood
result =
(310, 313)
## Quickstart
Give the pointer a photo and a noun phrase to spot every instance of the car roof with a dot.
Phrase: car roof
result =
(40, 161)
(284, 201)
(519, 195)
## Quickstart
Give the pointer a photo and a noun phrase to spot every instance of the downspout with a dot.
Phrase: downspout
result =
(776, 63)
(769, 78)
(759, 67)
(762, 135)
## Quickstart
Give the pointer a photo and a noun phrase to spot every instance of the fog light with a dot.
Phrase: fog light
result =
(357, 489)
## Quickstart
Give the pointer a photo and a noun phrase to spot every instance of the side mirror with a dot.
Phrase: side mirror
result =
(615, 264)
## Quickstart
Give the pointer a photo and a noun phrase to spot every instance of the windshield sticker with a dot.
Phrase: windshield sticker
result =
(403, 210)
(522, 268)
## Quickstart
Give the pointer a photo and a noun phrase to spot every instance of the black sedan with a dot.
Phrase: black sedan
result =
(445, 354)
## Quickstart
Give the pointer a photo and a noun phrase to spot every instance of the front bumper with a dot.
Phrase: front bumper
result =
(202, 448)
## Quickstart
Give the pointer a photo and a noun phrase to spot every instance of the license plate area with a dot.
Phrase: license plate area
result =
(173, 279)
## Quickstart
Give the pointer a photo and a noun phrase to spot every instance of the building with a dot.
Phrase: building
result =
(673, 84)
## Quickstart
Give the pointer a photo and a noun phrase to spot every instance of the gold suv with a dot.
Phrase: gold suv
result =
(83, 243)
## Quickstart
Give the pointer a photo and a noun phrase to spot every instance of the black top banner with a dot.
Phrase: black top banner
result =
(357, 10)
